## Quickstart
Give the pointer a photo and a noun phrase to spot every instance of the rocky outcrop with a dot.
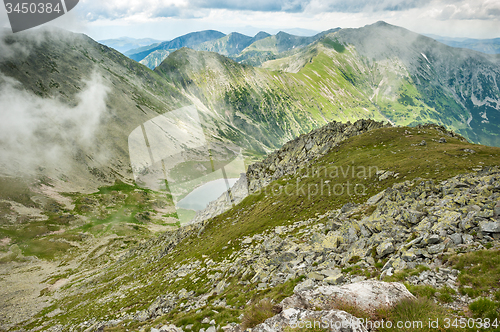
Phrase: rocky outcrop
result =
(332, 320)
(295, 154)
(290, 158)
(368, 295)
(317, 306)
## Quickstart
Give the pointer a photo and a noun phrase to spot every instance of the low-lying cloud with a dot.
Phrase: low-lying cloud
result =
(38, 132)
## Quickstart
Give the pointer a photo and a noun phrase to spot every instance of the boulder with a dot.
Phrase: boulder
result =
(315, 276)
(491, 227)
(497, 209)
(385, 248)
(432, 239)
(368, 294)
(456, 238)
(335, 279)
(331, 320)
(436, 249)
(408, 256)
(375, 199)
(304, 286)
(169, 328)
(412, 216)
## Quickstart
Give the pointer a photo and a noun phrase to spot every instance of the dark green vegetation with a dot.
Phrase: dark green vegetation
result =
(480, 271)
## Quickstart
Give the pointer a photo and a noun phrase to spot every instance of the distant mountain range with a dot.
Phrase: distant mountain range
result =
(264, 46)
(488, 46)
(189, 40)
(241, 48)
(125, 44)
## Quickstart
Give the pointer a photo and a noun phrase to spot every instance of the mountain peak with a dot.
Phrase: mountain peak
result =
(261, 35)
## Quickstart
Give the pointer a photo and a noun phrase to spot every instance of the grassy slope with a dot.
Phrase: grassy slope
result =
(120, 209)
(389, 149)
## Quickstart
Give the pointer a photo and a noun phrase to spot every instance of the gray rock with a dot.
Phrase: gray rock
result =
(335, 279)
(456, 238)
(170, 328)
(386, 175)
(408, 256)
(467, 238)
(412, 216)
(497, 209)
(304, 285)
(337, 320)
(330, 272)
(375, 199)
(491, 227)
(211, 329)
(423, 143)
(315, 276)
(368, 294)
(220, 287)
(436, 249)
(485, 214)
(247, 241)
(385, 248)
(442, 140)
(432, 239)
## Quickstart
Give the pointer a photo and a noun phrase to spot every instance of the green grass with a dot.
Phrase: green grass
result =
(485, 308)
(257, 314)
(417, 314)
(480, 271)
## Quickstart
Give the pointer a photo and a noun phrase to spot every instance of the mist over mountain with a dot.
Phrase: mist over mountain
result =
(380, 71)
(68, 102)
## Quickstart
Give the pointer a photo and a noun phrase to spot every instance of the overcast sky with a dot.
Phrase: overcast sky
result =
(166, 19)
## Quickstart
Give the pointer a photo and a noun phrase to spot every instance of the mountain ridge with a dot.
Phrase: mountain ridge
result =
(187, 40)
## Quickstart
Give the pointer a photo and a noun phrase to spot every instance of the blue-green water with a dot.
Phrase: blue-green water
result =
(199, 198)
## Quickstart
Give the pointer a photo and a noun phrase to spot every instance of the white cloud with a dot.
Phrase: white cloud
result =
(467, 10)
(40, 132)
